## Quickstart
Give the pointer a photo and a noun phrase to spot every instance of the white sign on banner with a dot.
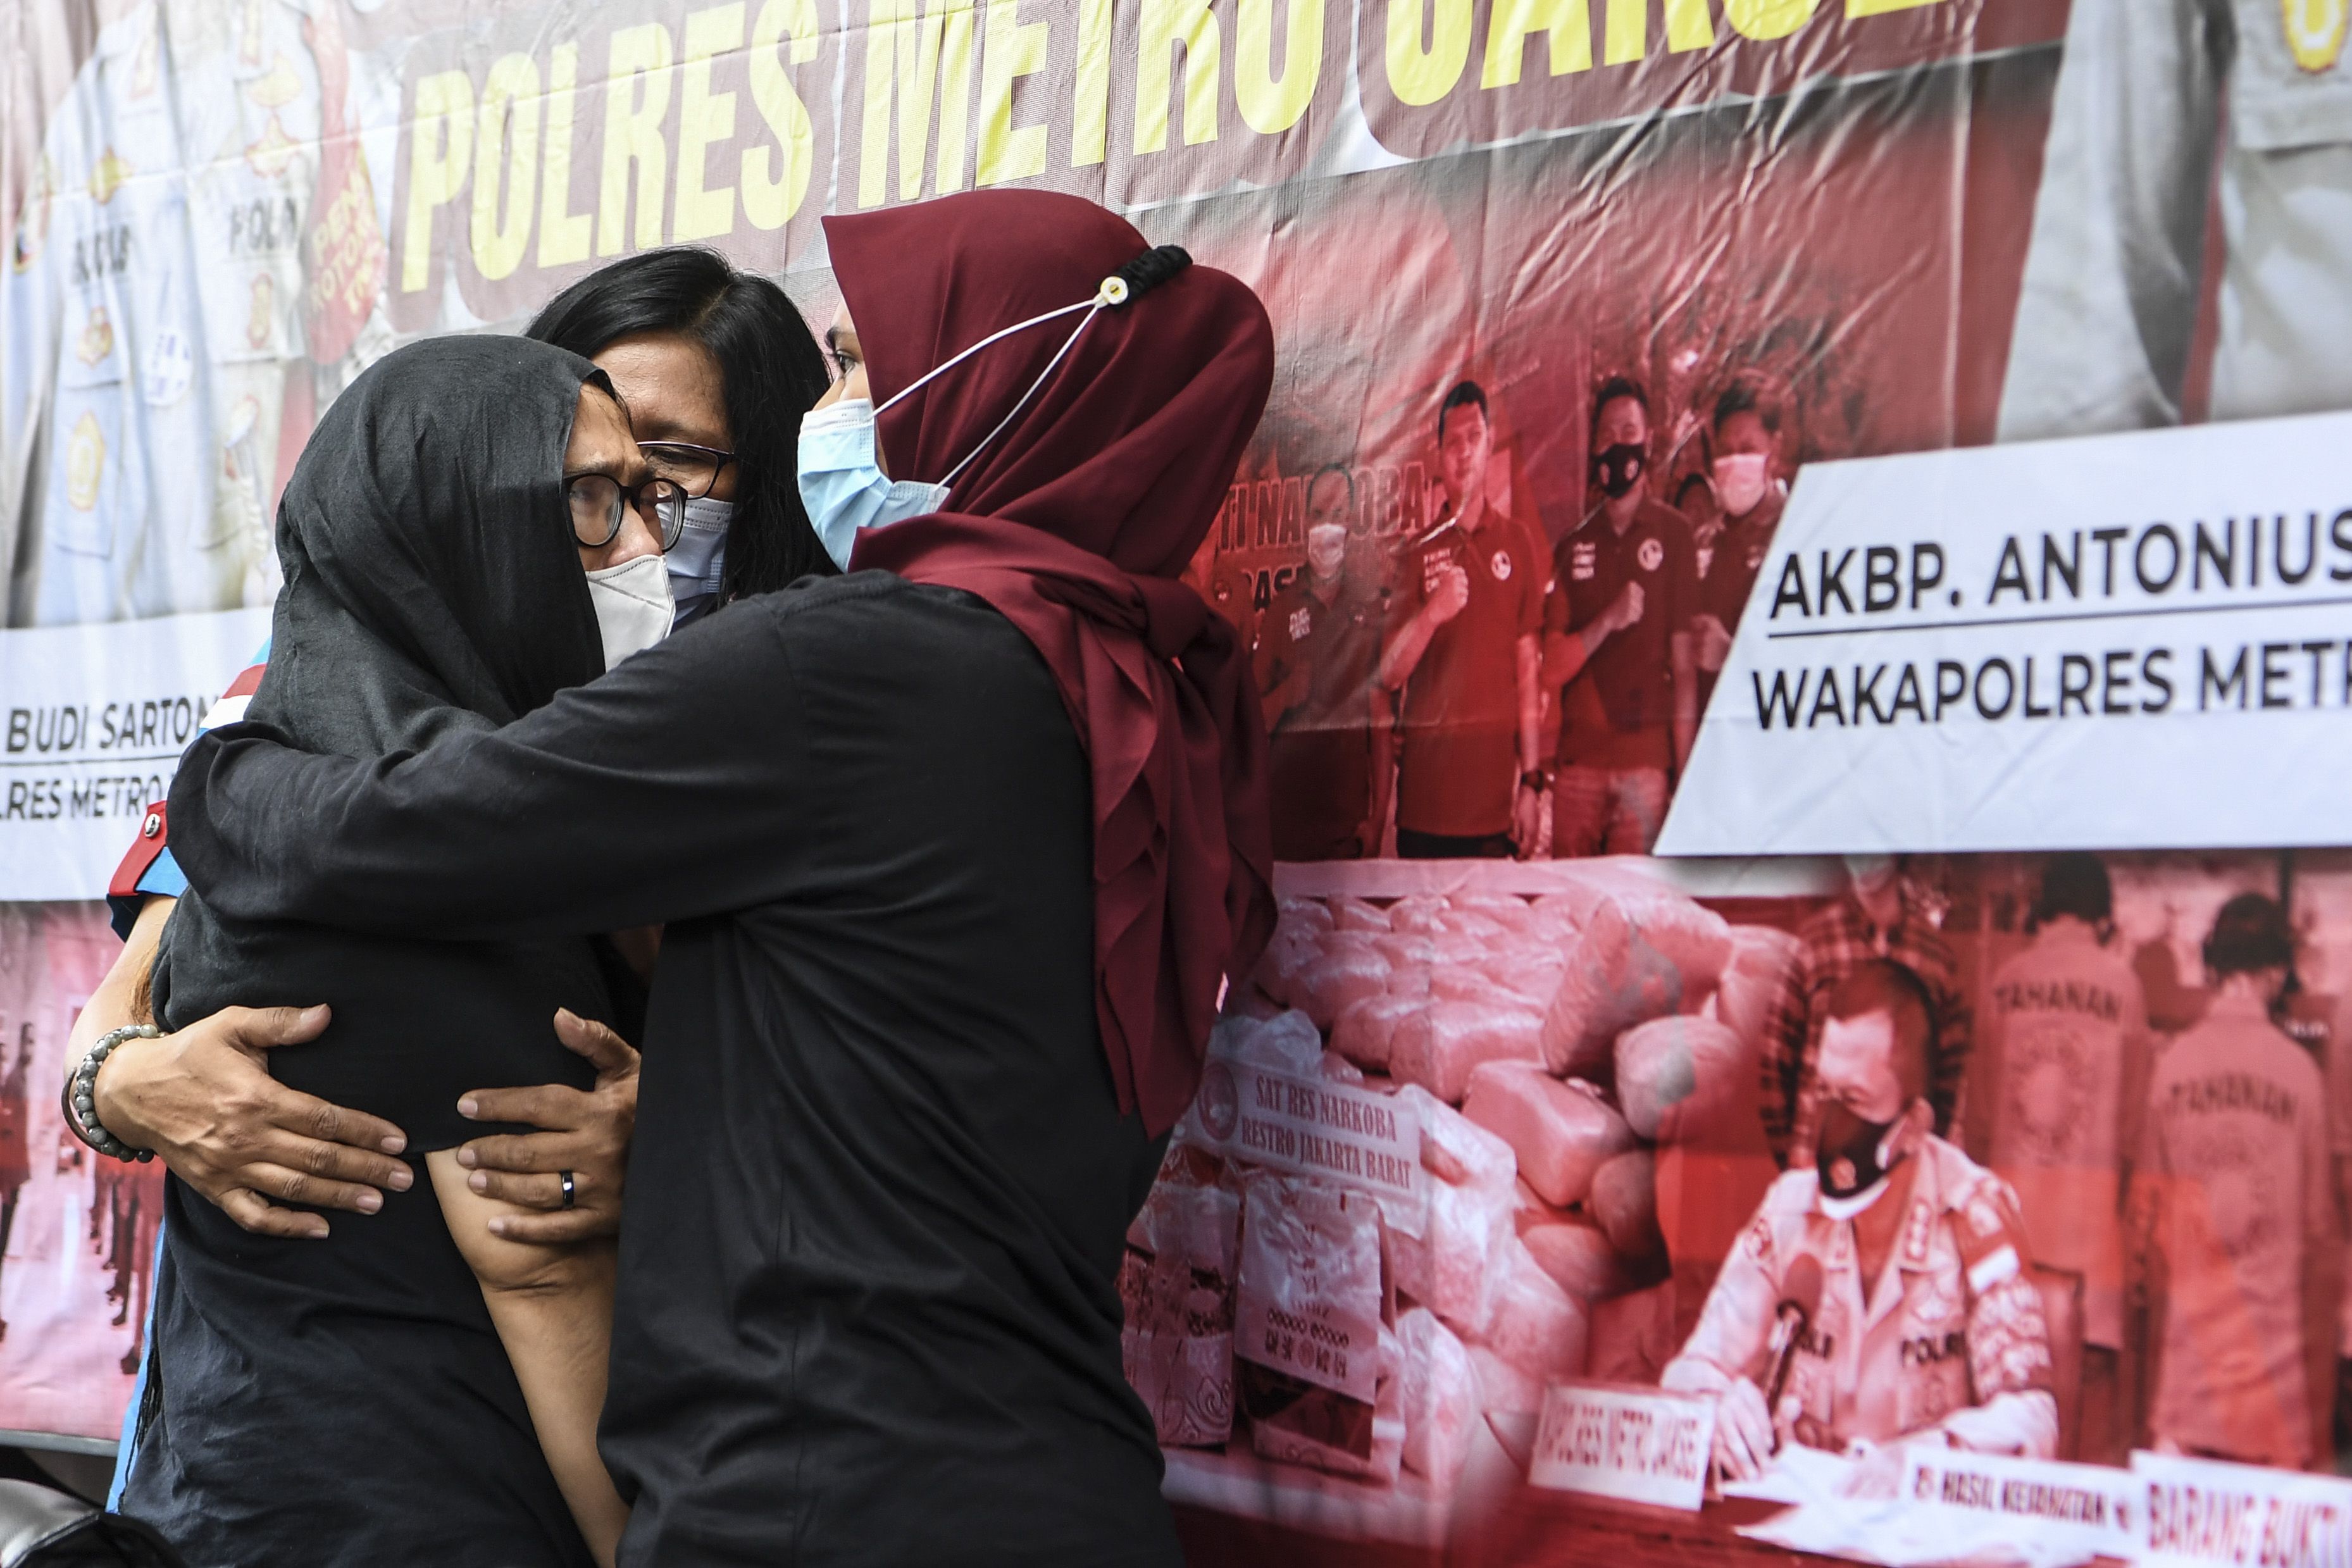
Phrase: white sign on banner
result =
(1616, 1441)
(2141, 639)
(1313, 1127)
(92, 721)
(2072, 1510)
(2202, 1513)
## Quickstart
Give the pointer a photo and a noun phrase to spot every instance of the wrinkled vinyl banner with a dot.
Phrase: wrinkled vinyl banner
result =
(1743, 428)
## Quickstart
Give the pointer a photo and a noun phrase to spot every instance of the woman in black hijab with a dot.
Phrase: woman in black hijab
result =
(348, 1399)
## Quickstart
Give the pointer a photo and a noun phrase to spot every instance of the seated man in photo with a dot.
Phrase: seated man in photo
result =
(1883, 1296)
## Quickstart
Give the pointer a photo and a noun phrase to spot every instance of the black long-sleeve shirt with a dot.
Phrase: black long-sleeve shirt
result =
(867, 1308)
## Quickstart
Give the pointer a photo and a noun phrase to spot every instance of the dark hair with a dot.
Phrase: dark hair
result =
(1748, 394)
(1342, 470)
(1882, 985)
(1464, 393)
(2074, 883)
(770, 368)
(1690, 479)
(1615, 387)
(2251, 934)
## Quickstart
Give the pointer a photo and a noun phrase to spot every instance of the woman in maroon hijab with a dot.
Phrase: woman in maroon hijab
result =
(957, 854)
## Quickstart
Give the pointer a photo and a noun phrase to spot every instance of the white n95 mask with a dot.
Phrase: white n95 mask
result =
(843, 487)
(1740, 481)
(633, 608)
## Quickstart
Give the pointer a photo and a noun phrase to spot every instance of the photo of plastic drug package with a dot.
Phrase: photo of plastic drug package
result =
(1308, 1363)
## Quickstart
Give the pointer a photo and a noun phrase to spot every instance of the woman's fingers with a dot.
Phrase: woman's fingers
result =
(530, 1192)
(339, 1169)
(257, 1213)
(371, 1135)
(529, 1152)
(594, 1209)
(584, 1134)
(556, 1229)
(284, 1185)
(263, 1027)
(550, 1106)
(599, 1044)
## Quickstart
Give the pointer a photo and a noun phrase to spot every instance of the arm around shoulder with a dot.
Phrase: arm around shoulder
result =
(488, 835)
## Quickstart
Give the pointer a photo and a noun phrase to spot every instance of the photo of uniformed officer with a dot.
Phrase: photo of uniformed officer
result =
(1624, 587)
(1460, 650)
(2235, 1254)
(2170, 116)
(1884, 1294)
(1319, 652)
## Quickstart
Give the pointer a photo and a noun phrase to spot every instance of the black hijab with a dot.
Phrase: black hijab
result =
(432, 581)
(433, 586)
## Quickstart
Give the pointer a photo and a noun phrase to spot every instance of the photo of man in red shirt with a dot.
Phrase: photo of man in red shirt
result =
(1624, 587)
(1461, 646)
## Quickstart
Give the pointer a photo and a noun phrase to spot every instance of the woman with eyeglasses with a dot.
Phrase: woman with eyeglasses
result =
(716, 368)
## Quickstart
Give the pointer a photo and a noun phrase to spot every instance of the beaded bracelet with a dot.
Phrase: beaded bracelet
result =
(81, 1094)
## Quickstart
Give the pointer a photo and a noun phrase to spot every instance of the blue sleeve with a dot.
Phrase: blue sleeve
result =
(162, 878)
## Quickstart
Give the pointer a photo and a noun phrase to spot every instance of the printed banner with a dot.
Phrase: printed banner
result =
(1893, 430)
(2206, 1515)
(92, 721)
(2041, 645)
(1635, 1445)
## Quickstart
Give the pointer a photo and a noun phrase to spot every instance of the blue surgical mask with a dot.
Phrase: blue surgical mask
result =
(698, 562)
(842, 486)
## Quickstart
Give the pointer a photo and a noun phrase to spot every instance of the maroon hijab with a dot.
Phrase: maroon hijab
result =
(1074, 523)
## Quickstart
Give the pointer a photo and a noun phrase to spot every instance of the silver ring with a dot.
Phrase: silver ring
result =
(570, 1194)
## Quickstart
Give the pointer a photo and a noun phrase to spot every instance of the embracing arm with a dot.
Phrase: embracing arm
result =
(552, 1308)
(651, 794)
(549, 1284)
(121, 999)
(202, 1099)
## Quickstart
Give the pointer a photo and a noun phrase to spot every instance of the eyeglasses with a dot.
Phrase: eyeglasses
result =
(696, 467)
(598, 501)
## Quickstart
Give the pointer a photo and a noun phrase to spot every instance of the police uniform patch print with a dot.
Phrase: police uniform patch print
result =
(1652, 554)
(2315, 31)
(96, 342)
(1916, 1227)
(1502, 566)
(1935, 1303)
